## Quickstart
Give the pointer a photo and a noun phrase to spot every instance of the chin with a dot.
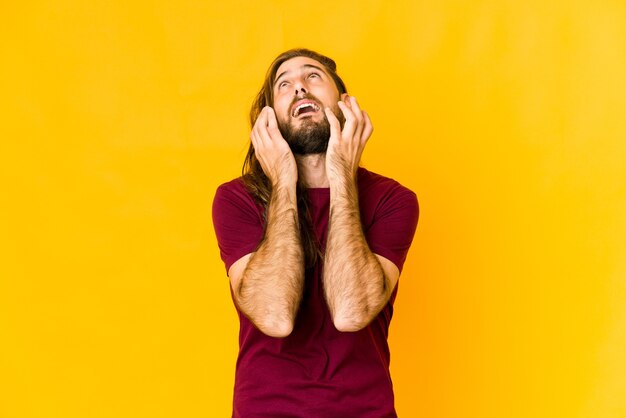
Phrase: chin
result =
(312, 138)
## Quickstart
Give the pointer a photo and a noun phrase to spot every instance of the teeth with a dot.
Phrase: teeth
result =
(296, 112)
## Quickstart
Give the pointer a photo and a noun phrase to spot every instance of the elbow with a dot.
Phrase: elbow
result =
(347, 318)
(276, 329)
(349, 323)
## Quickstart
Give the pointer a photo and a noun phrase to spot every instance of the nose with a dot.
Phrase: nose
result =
(299, 85)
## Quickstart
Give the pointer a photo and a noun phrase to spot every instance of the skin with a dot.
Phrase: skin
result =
(357, 282)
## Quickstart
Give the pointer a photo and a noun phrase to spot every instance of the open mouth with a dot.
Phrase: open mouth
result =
(304, 108)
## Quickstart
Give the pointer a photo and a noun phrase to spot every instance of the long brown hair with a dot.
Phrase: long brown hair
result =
(253, 176)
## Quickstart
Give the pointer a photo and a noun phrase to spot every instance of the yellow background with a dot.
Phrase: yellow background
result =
(120, 118)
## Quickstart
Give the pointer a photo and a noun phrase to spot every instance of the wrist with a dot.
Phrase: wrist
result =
(342, 182)
(341, 173)
(344, 194)
(285, 187)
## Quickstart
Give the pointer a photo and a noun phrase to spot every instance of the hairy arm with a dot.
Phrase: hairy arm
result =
(357, 282)
(268, 289)
(268, 284)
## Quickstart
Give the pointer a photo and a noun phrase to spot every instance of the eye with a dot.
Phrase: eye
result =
(314, 75)
(282, 84)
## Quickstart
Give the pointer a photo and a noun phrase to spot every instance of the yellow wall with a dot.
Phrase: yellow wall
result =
(507, 118)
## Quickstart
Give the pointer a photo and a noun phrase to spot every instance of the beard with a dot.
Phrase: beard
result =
(311, 137)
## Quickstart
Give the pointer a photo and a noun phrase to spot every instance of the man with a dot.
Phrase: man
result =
(313, 246)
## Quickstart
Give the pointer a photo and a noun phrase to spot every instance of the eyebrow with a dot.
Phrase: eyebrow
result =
(304, 66)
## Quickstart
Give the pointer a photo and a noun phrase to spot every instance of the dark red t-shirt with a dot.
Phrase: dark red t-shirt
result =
(317, 371)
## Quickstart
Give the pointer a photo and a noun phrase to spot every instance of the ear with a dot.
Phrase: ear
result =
(344, 98)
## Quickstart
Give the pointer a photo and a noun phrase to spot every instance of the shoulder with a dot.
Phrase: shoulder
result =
(234, 189)
(235, 194)
(374, 186)
(234, 186)
(389, 215)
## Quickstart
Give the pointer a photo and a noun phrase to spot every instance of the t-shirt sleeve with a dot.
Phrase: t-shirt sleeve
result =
(237, 221)
(391, 232)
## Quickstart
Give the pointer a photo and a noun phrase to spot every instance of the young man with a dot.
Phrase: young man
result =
(313, 246)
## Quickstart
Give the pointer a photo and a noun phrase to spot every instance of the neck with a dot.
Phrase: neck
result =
(312, 170)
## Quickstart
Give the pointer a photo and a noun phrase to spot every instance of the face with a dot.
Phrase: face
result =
(302, 89)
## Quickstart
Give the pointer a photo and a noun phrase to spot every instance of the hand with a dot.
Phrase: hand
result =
(346, 146)
(272, 151)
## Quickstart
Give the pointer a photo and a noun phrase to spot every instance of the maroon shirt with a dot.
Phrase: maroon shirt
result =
(317, 371)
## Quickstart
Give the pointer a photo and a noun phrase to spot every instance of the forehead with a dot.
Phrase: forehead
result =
(296, 63)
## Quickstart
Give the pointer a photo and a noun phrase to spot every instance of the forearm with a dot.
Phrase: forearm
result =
(354, 281)
(272, 283)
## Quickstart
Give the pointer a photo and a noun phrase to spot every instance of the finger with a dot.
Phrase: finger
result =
(368, 128)
(272, 124)
(335, 126)
(354, 106)
(271, 117)
(255, 141)
(260, 121)
(346, 100)
(263, 115)
(349, 126)
(261, 130)
(359, 117)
